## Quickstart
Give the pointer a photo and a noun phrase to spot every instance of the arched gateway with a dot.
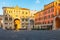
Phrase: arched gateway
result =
(57, 23)
(17, 24)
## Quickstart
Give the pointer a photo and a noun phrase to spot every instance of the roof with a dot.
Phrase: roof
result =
(48, 4)
(39, 11)
(7, 7)
(16, 7)
(24, 9)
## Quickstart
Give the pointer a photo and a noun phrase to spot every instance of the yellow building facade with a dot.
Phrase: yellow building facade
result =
(15, 17)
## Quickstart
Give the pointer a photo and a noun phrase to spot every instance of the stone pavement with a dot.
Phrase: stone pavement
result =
(30, 35)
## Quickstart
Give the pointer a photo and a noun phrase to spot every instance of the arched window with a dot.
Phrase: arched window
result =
(26, 12)
(48, 22)
(6, 18)
(10, 19)
(22, 19)
(49, 11)
(26, 19)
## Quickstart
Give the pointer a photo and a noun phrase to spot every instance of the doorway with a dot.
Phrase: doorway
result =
(57, 22)
(17, 24)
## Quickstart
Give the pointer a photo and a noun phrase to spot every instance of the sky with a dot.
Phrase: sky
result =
(30, 4)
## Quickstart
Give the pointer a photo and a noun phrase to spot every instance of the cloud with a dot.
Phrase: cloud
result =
(37, 1)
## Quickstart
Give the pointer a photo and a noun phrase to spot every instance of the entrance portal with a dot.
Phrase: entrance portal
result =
(57, 22)
(17, 24)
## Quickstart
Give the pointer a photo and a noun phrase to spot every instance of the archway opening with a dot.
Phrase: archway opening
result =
(17, 24)
(57, 22)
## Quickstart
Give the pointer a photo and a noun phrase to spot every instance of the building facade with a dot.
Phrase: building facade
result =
(57, 18)
(32, 19)
(16, 18)
(45, 19)
(1, 21)
(39, 19)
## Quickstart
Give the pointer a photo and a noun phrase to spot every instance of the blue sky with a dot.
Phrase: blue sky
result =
(30, 4)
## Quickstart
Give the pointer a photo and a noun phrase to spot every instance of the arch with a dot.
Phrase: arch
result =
(17, 24)
(57, 22)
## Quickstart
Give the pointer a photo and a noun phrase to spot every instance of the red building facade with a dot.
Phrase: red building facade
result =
(45, 19)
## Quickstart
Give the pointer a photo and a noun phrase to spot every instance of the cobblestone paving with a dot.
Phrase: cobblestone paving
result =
(30, 35)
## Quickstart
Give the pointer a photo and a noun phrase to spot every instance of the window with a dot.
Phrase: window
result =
(4, 11)
(48, 16)
(16, 15)
(9, 11)
(23, 26)
(23, 19)
(59, 4)
(6, 18)
(22, 23)
(26, 12)
(49, 11)
(10, 19)
(6, 23)
(26, 19)
(51, 21)
(6, 27)
(14, 10)
(35, 19)
(44, 17)
(26, 23)
(52, 15)
(48, 22)
(52, 10)
(22, 12)
(5, 15)
(45, 22)
(39, 18)
(45, 12)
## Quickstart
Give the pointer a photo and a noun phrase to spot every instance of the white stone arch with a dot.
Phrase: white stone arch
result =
(54, 20)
